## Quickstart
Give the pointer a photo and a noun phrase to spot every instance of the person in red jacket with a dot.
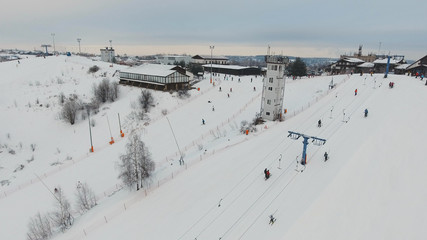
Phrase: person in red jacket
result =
(355, 92)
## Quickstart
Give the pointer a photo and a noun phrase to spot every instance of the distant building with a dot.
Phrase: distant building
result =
(366, 67)
(172, 59)
(232, 69)
(366, 58)
(205, 59)
(107, 54)
(401, 69)
(419, 66)
(273, 88)
(346, 65)
(155, 76)
(381, 64)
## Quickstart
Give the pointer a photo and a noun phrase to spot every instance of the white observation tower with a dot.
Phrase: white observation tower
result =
(273, 88)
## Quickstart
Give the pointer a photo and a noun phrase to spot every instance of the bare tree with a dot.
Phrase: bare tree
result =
(136, 165)
(39, 227)
(85, 197)
(62, 215)
(146, 100)
(114, 91)
(106, 91)
(69, 111)
(102, 91)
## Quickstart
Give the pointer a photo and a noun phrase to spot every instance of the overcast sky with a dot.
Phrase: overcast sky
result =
(305, 28)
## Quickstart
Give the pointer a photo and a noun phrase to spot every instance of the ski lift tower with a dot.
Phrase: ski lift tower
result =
(273, 87)
(316, 141)
(388, 62)
(46, 46)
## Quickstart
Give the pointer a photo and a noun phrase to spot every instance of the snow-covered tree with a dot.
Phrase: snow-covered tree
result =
(69, 111)
(62, 214)
(39, 227)
(136, 165)
(85, 197)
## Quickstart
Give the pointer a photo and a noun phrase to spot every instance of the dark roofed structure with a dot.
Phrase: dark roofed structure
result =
(232, 69)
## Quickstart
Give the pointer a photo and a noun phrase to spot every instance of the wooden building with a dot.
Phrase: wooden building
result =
(155, 76)
(419, 66)
(346, 66)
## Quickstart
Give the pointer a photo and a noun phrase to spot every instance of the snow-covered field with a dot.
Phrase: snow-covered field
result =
(373, 186)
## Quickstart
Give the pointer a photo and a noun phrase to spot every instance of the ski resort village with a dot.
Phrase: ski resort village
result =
(107, 146)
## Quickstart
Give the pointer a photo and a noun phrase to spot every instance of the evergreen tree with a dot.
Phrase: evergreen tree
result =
(298, 68)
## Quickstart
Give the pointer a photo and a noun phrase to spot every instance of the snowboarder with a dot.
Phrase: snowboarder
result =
(272, 219)
(366, 112)
(326, 156)
(355, 92)
(319, 123)
(203, 121)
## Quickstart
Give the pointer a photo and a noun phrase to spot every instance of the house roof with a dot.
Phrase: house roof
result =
(209, 57)
(355, 60)
(234, 67)
(402, 66)
(152, 69)
(384, 61)
(366, 65)
(417, 63)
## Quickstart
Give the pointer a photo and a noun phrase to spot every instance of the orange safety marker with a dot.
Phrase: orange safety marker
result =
(112, 141)
(91, 149)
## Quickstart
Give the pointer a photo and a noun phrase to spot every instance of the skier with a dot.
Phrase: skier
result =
(267, 175)
(231, 89)
(254, 89)
(326, 156)
(203, 121)
(355, 92)
(272, 219)
(319, 123)
(213, 108)
(228, 95)
(366, 112)
(220, 89)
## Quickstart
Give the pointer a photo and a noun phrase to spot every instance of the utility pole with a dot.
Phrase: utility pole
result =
(120, 125)
(90, 130)
(78, 40)
(181, 159)
(53, 38)
(211, 47)
(111, 51)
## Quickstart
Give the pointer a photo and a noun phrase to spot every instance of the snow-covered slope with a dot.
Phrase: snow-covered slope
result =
(372, 186)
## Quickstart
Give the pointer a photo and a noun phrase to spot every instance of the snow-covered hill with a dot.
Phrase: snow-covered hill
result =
(372, 186)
